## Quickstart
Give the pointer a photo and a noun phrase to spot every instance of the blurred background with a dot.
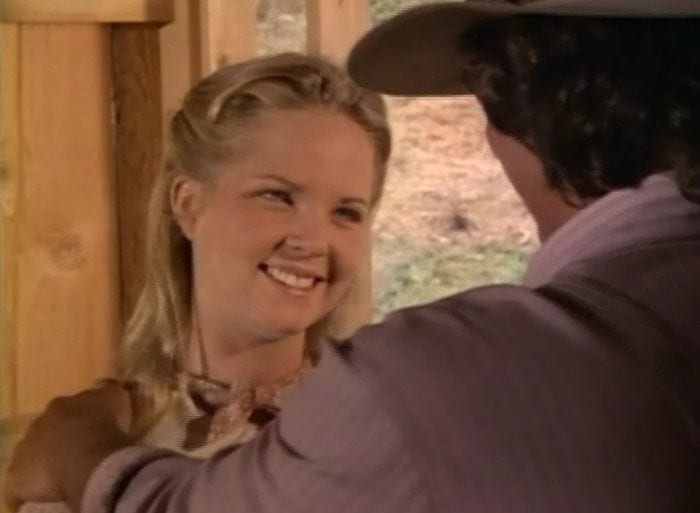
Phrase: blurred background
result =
(449, 220)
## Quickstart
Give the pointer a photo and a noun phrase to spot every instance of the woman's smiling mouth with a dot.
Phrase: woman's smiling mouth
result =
(295, 282)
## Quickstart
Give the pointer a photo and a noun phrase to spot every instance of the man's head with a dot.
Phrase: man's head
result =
(600, 101)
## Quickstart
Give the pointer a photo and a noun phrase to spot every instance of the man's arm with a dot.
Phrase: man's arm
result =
(333, 448)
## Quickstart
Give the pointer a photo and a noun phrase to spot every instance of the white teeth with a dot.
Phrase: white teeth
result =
(291, 280)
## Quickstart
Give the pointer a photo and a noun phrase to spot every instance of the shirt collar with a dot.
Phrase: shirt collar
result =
(654, 211)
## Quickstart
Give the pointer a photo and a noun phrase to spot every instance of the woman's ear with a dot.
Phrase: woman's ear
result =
(186, 201)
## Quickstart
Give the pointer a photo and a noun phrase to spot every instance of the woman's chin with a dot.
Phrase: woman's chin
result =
(293, 320)
(286, 329)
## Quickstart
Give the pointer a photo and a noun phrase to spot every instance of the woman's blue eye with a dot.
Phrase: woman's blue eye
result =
(277, 195)
(350, 214)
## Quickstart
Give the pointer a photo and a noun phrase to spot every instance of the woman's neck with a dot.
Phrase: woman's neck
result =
(257, 362)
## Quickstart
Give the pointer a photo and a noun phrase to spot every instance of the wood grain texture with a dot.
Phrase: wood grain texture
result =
(66, 270)
(58, 321)
(228, 32)
(90, 11)
(138, 140)
(180, 55)
(9, 236)
(333, 26)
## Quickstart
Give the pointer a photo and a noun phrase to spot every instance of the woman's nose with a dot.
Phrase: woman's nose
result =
(301, 246)
(309, 236)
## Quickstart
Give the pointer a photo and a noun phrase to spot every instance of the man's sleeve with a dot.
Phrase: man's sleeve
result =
(333, 448)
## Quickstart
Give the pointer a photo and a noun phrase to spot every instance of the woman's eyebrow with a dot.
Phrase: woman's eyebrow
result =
(354, 200)
(280, 179)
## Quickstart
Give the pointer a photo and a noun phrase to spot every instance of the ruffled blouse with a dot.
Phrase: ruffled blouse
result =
(207, 415)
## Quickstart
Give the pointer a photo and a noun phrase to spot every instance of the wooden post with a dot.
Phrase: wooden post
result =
(138, 145)
(59, 291)
(60, 219)
(10, 176)
(229, 32)
(205, 35)
(63, 218)
(180, 55)
(333, 26)
(86, 11)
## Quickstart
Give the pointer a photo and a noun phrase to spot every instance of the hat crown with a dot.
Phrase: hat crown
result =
(417, 51)
(623, 8)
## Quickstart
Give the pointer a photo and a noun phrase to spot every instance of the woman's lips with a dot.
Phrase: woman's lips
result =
(296, 281)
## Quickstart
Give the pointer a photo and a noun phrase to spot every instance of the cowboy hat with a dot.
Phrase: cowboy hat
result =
(418, 51)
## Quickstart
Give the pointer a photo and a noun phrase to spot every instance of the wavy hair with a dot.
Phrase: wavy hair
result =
(602, 102)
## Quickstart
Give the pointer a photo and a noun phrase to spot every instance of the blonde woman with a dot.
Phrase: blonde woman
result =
(258, 230)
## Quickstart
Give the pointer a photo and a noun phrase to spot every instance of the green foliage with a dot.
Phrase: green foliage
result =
(406, 273)
(383, 9)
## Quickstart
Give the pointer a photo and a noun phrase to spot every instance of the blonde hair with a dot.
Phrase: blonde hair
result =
(205, 131)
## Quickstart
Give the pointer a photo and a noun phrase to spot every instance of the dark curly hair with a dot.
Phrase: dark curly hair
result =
(603, 103)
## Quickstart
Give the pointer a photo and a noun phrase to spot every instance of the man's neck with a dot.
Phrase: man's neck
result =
(554, 212)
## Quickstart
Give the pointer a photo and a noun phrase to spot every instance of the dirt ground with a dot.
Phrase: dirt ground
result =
(444, 185)
(449, 219)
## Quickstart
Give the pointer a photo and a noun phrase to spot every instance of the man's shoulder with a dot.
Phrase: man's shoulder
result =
(484, 312)
(486, 331)
(502, 382)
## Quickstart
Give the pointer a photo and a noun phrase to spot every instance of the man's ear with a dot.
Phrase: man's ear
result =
(186, 201)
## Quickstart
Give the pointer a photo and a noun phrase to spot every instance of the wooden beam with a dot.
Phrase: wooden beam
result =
(10, 175)
(86, 11)
(204, 35)
(228, 32)
(138, 145)
(64, 270)
(333, 26)
(180, 55)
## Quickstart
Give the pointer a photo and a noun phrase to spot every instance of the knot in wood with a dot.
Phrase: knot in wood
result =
(66, 250)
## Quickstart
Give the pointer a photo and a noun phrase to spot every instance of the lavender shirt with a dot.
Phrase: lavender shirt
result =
(494, 401)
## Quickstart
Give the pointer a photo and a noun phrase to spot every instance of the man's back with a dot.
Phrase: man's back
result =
(580, 392)
(507, 399)
(538, 410)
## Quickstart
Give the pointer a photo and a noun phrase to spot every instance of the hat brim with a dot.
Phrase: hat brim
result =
(418, 51)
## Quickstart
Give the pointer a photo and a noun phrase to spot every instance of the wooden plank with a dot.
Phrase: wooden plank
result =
(204, 35)
(180, 55)
(9, 185)
(333, 26)
(228, 32)
(67, 271)
(93, 11)
(138, 137)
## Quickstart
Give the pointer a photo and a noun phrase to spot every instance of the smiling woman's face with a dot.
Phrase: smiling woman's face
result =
(281, 233)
